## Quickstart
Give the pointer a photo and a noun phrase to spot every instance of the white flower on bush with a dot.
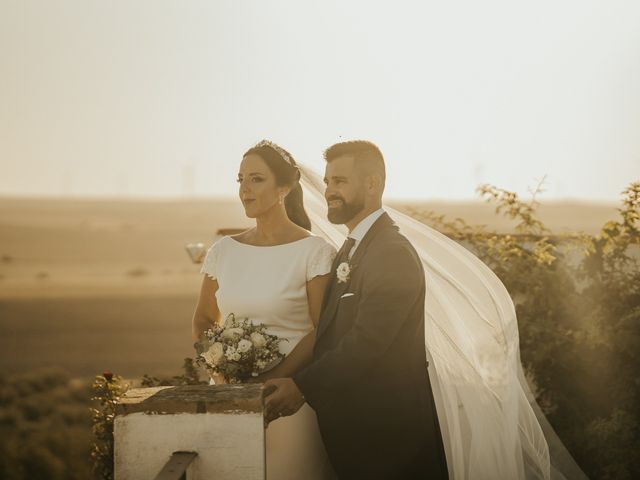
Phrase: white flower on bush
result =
(232, 333)
(214, 354)
(342, 272)
(258, 340)
(244, 346)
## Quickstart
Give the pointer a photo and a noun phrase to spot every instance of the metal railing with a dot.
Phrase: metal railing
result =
(176, 467)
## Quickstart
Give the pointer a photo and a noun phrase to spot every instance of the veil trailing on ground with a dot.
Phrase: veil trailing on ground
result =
(491, 425)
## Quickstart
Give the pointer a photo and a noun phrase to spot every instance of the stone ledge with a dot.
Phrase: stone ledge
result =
(228, 399)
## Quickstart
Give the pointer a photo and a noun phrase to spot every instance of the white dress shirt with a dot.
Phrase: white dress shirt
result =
(362, 228)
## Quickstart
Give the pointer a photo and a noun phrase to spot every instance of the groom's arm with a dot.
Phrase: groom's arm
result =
(390, 291)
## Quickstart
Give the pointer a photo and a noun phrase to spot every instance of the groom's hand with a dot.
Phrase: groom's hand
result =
(282, 398)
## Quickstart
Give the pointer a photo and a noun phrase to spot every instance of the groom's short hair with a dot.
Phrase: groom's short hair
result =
(368, 157)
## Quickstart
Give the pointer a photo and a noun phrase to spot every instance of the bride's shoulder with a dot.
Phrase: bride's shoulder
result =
(317, 242)
(219, 242)
(320, 257)
(222, 244)
(239, 237)
(319, 249)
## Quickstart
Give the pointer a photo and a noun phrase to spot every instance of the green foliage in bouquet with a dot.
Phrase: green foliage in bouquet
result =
(237, 349)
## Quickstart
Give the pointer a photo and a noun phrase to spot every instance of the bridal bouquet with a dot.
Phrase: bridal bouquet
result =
(238, 349)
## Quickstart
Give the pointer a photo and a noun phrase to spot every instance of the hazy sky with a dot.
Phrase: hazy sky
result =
(158, 98)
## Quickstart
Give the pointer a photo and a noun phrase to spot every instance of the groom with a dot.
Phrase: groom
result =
(368, 382)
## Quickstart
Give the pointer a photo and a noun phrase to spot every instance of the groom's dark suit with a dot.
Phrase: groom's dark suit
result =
(369, 383)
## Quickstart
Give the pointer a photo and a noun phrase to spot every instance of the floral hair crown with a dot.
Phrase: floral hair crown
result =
(285, 156)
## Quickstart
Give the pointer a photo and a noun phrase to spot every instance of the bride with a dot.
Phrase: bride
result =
(274, 273)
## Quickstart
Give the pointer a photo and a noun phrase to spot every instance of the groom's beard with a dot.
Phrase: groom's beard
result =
(345, 212)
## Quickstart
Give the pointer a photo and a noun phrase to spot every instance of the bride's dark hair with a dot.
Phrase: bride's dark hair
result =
(286, 171)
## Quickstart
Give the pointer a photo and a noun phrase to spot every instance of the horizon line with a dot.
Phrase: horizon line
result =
(225, 198)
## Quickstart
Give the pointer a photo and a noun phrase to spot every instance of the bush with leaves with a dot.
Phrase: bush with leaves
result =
(191, 376)
(107, 388)
(44, 426)
(577, 299)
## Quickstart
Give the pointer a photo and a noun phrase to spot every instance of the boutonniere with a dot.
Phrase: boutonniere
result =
(343, 271)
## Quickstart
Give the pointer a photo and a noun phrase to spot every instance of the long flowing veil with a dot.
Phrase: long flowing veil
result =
(491, 425)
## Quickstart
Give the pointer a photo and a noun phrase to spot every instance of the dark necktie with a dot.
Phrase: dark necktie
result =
(343, 253)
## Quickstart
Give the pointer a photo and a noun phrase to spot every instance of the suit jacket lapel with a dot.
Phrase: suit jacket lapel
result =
(381, 223)
(335, 289)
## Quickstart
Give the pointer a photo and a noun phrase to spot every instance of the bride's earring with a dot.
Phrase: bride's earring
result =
(280, 199)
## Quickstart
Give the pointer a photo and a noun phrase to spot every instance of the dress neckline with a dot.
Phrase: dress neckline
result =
(271, 246)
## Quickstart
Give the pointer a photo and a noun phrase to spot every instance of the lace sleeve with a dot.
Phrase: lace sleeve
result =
(320, 260)
(210, 261)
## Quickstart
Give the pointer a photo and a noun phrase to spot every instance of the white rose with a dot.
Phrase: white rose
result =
(214, 354)
(231, 333)
(236, 357)
(217, 352)
(342, 272)
(208, 357)
(258, 340)
(244, 346)
(230, 353)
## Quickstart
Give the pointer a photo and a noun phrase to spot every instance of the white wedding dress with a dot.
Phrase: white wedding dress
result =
(267, 284)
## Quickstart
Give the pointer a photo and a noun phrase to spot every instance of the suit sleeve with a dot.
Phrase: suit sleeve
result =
(391, 288)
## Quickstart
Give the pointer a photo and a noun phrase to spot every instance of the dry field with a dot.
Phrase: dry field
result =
(90, 285)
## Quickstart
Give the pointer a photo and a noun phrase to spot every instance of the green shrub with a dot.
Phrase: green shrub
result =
(577, 299)
(38, 439)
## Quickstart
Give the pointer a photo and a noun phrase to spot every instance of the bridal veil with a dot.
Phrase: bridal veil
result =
(491, 425)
